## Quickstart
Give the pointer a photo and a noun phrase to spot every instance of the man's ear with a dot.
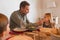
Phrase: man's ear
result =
(21, 8)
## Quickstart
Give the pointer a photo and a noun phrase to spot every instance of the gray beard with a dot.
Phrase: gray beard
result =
(23, 14)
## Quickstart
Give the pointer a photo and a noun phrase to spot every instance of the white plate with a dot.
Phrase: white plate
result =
(19, 29)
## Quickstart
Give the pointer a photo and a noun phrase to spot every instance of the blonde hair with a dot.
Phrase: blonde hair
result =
(48, 14)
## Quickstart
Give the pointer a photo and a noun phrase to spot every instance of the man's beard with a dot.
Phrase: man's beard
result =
(23, 14)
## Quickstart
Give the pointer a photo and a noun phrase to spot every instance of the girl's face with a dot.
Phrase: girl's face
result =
(47, 18)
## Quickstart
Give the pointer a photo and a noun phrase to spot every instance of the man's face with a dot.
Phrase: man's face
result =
(25, 9)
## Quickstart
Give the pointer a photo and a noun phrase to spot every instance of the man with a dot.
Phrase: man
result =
(19, 18)
(3, 25)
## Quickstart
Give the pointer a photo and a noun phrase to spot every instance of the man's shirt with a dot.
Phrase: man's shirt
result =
(17, 20)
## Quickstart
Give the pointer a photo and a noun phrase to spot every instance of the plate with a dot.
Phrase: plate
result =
(19, 30)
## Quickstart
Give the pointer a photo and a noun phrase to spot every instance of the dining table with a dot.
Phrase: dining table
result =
(41, 34)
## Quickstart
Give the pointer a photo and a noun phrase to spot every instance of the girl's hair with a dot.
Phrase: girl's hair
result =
(48, 14)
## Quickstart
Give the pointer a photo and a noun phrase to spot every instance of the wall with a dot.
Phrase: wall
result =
(8, 6)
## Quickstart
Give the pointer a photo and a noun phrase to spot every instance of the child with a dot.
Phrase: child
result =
(46, 21)
(3, 25)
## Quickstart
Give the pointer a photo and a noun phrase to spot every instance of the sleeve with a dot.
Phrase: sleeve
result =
(14, 20)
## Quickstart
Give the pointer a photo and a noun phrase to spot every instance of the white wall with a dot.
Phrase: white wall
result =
(8, 6)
